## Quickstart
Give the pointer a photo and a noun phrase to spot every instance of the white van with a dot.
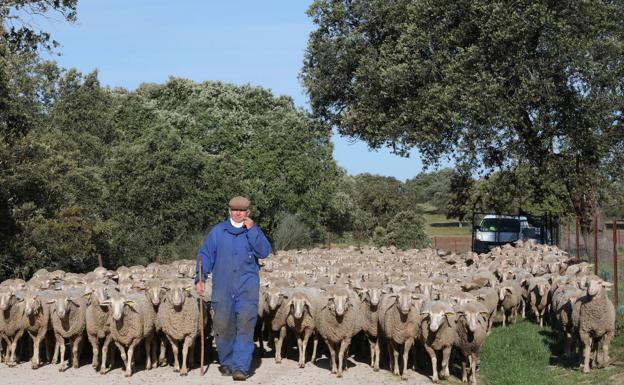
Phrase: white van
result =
(496, 230)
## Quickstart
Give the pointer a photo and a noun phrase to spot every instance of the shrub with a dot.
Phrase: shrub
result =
(291, 233)
(407, 230)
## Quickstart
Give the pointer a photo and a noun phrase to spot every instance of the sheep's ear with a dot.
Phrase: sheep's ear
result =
(51, 301)
(606, 284)
(87, 295)
(130, 303)
(449, 314)
(485, 313)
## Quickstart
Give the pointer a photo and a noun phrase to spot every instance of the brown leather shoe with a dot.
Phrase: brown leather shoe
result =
(225, 371)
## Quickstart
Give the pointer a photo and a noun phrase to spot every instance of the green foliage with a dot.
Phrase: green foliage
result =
(406, 230)
(379, 236)
(492, 84)
(291, 233)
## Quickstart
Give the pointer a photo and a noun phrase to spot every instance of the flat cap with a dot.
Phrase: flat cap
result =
(239, 203)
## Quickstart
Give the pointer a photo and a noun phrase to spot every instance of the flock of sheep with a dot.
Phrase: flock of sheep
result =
(418, 304)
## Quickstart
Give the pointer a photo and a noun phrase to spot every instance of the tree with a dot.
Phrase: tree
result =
(406, 230)
(495, 84)
(381, 196)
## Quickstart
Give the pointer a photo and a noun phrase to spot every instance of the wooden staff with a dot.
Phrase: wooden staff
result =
(201, 318)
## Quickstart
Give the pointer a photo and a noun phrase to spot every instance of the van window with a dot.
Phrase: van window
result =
(501, 225)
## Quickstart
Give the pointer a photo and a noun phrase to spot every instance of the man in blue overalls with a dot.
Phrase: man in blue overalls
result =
(231, 252)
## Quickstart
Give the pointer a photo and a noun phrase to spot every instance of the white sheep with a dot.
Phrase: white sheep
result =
(338, 321)
(597, 321)
(68, 318)
(471, 327)
(132, 321)
(12, 324)
(178, 316)
(303, 305)
(437, 333)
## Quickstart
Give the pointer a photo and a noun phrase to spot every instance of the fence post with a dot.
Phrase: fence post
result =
(568, 237)
(596, 250)
(578, 244)
(615, 263)
(435, 242)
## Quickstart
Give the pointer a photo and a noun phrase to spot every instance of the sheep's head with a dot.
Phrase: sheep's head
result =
(178, 291)
(504, 291)
(274, 297)
(596, 286)
(404, 300)
(153, 290)
(339, 301)
(298, 304)
(32, 303)
(97, 290)
(125, 286)
(62, 303)
(474, 313)
(117, 302)
(438, 312)
(5, 299)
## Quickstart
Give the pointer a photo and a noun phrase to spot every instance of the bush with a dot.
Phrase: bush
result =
(379, 236)
(291, 233)
(407, 230)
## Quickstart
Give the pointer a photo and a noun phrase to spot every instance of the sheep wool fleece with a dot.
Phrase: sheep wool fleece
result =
(231, 254)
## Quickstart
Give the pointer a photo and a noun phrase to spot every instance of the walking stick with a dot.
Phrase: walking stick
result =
(201, 318)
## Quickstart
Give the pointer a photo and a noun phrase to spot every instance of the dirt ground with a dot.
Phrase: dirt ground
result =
(266, 372)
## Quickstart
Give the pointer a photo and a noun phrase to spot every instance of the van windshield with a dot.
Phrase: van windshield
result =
(501, 225)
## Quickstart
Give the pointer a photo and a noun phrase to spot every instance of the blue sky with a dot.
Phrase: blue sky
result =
(256, 42)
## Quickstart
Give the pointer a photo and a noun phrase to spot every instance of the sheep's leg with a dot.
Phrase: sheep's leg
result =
(185, 349)
(332, 356)
(192, 355)
(395, 358)
(490, 322)
(299, 349)
(130, 358)
(278, 345)
(174, 348)
(464, 371)
(473, 359)
(586, 339)
(504, 316)
(523, 307)
(93, 340)
(377, 353)
(434, 363)
(344, 346)
(56, 350)
(446, 353)
(606, 340)
(315, 339)
(304, 346)
(103, 366)
(148, 352)
(36, 342)
(122, 353)
(162, 359)
(16, 338)
(514, 315)
(76, 343)
(61, 343)
(406, 349)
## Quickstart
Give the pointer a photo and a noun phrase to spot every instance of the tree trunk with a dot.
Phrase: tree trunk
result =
(587, 209)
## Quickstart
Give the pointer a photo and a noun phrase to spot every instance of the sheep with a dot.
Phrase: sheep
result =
(12, 325)
(303, 306)
(538, 297)
(437, 332)
(338, 321)
(36, 321)
(178, 316)
(370, 294)
(597, 321)
(471, 326)
(153, 291)
(67, 316)
(97, 322)
(488, 296)
(510, 296)
(132, 321)
(399, 319)
(564, 300)
(276, 317)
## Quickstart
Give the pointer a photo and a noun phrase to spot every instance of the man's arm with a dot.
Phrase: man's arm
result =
(207, 253)
(260, 246)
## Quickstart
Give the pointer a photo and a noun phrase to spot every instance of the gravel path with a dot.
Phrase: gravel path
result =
(267, 372)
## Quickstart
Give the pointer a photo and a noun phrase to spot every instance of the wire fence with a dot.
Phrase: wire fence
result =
(604, 247)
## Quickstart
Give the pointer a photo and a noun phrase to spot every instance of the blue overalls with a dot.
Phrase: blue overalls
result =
(231, 255)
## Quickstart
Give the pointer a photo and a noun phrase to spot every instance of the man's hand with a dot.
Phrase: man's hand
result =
(200, 288)
(248, 222)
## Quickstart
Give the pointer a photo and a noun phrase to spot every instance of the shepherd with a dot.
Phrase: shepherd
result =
(230, 253)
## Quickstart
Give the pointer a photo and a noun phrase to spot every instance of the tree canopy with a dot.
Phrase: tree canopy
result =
(494, 84)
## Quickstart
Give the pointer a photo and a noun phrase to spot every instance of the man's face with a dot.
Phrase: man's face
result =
(238, 215)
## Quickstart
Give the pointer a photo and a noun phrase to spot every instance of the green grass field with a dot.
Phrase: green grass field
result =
(525, 354)
(437, 225)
